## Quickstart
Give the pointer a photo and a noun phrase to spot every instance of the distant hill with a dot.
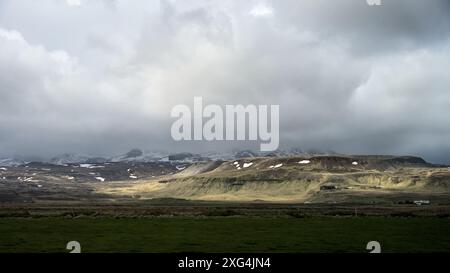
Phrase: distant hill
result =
(364, 179)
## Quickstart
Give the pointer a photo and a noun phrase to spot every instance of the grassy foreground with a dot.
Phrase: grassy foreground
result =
(225, 234)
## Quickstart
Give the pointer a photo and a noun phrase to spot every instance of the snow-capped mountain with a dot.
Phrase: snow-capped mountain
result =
(11, 162)
(69, 159)
(245, 154)
(137, 155)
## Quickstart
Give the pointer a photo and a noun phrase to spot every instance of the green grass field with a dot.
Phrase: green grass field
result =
(225, 234)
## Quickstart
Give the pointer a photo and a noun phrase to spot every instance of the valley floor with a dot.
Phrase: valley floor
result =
(226, 234)
(173, 226)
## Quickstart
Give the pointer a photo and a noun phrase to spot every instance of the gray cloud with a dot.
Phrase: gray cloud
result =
(103, 76)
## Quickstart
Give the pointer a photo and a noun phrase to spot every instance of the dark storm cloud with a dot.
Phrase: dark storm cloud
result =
(102, 76)
(397, 24)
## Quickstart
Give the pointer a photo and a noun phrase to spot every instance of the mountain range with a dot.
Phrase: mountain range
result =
(137, 155)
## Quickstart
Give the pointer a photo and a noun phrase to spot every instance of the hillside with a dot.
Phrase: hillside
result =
(319, 179)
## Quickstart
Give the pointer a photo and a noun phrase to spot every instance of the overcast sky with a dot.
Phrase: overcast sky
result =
(101, 76)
